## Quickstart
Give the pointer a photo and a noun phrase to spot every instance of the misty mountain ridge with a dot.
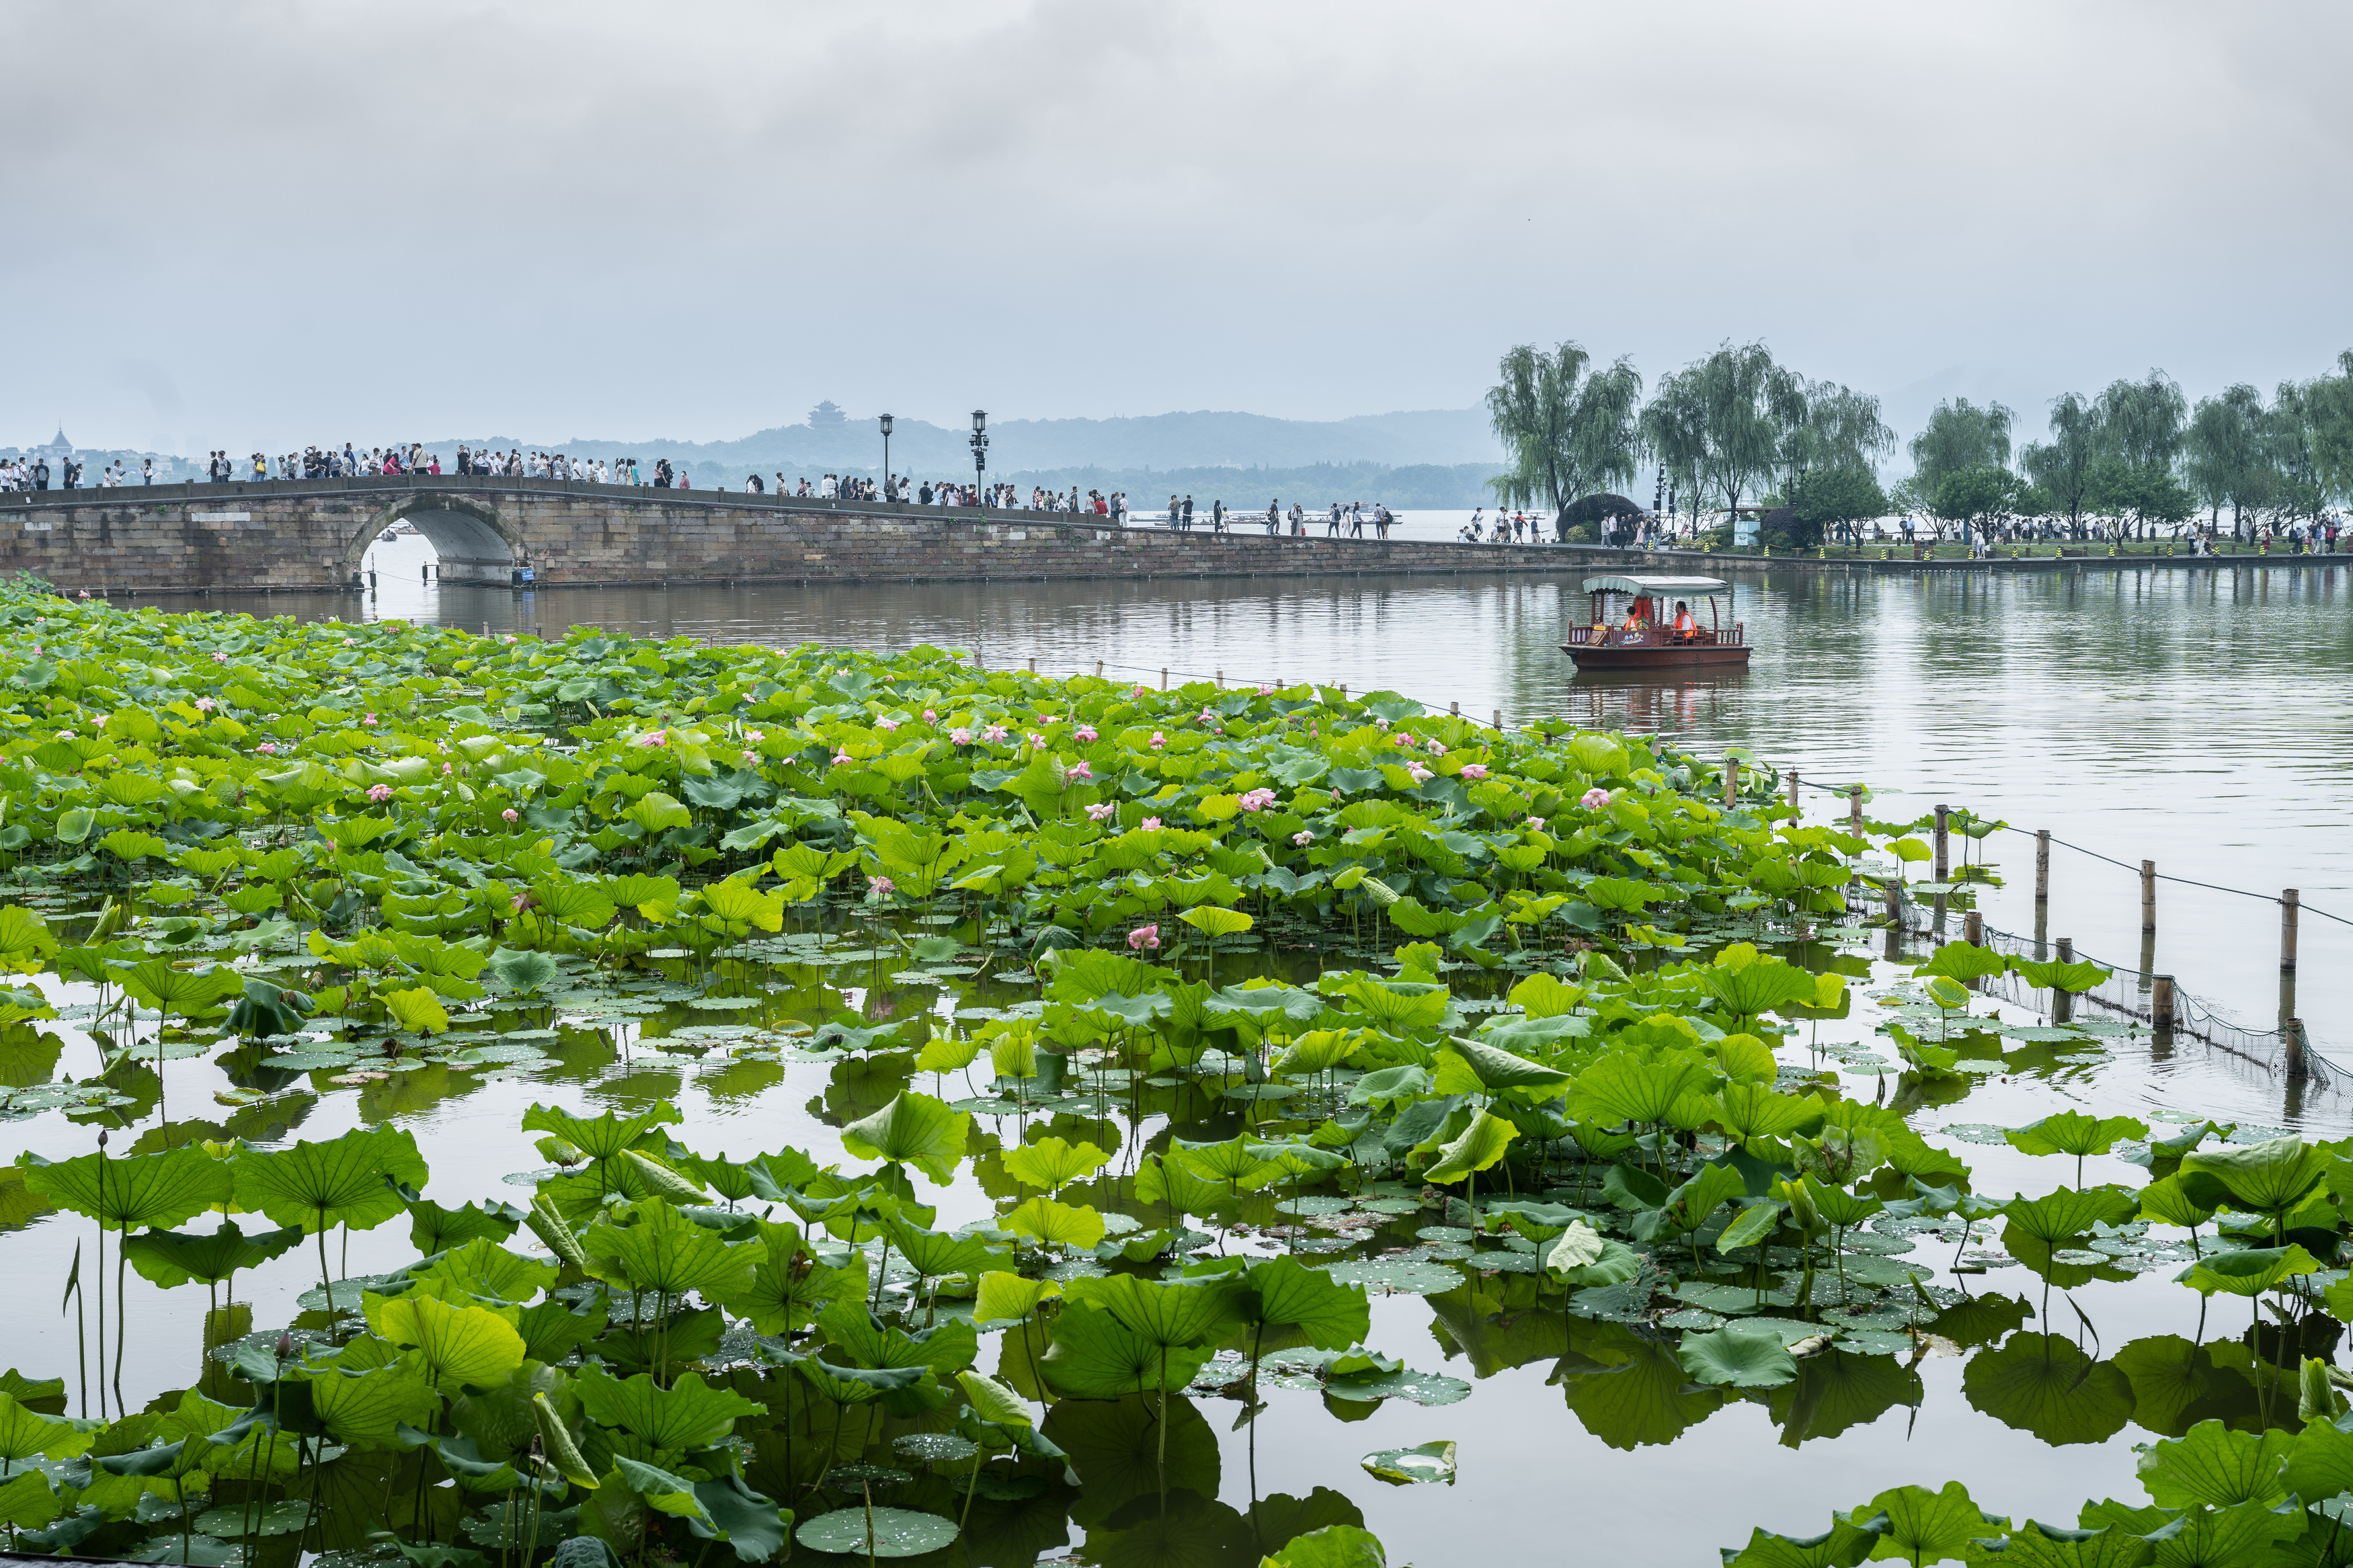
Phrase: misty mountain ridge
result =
(1202, 440)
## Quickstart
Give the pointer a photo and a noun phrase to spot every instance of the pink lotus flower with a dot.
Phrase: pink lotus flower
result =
(1403, 738)
(69, 734)
(1209, 716)
(751, 756)
(267, 748)
(380, 791)
(1100, 810)
(217, 658)
(1150, 823)
(960, 737)
(1256, 800)
(1474, 770)
(930, 716)
(1536, 823)
(1037, 740)
(886, 725)
(36, 653)
(445, 770)
(526, 900)
(1138, 693)
(1437, 749)
(205, 704)
(1158, 740)
(1417, 772)
(369, 720)
(651, 739)
(883, 887)
(1080, 771)
(509, 814)
(1144, 937)
(995, 732)
(841, 759)
(755, 736)
(1303, 839)
(1086, 734)
(1266, 691)
(1595, 798)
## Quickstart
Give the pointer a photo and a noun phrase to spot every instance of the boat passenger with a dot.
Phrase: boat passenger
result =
(1686, 626)
(1632, 630)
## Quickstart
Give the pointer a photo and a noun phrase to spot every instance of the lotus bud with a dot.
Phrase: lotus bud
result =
(101, 1137)
(2316, 1398)
(285, 1346)
(1800, 1199)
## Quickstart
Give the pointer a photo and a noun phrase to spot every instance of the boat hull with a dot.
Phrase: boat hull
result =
(1668, 655)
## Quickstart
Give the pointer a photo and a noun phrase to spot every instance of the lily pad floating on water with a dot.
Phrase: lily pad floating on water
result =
(934, 1447)
(239, 1518)
(1408, 1466)
(896, 1533)
(1314, 1204)
(1400, 1276)
(1738, 1355)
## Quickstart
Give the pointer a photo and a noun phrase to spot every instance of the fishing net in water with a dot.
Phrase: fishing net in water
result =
(2128, 994)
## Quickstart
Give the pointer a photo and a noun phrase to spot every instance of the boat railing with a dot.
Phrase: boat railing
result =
(1734, 635)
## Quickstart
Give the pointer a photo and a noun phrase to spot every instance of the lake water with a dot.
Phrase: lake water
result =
(2197, 719)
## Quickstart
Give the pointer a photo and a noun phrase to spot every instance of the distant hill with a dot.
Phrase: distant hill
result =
(1149, 443)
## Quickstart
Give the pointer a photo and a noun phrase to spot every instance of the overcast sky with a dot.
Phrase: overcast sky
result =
(260, 224)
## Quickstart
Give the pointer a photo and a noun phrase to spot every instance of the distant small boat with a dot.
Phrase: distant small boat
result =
(1654, 642)
(401, 531)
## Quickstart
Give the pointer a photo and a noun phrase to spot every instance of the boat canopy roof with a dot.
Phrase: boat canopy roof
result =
(1655, 585)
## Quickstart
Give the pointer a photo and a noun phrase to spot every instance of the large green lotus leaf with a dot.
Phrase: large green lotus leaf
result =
(456, 1346)
(787, 1287)
(24, 1433)
(341, 1182)
(1197, 1311)
(1963, 962)
(1333, 1546)
(2270, 1177)
(1053, 1163)
(877, 1533)
(1003, 1296)
(2247, 1270)
(1736, 1356)
(1622, 1086)
(1480, 1145)
(720, 1509)
(179, 993)
(1097, 1356)
(1056, 1224)
(2216, 1467)
(26, 941)
(1689, 1207)
(1399, 1008)
(601, 1136)
(2043, 1384)
(2079, 975)
(1924, 1527)
(2056, 1215)
(483, 1268)
(368, 1410)
(2319, 1461)
(2205, 1538)
(688, 1414)
(1753, 1110)
(1747, 983)
(937, 1253)
(665, 1251)
(432, 1228)
(171, 1258)
(1285, 1295)
(2073, 1133)
(1842, 1545)
(913, 1129)
(1233, 1162)
(2037, 1545)
(2170, 1200)
(27, 1500)
(134, 1189)
(1469, 1067)
(947, 1348)
(910, 1390)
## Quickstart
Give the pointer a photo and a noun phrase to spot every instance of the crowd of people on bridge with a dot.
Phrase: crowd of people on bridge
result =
(34, 473)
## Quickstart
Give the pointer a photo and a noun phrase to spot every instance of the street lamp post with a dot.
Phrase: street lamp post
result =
(980, 457)
(886, 459)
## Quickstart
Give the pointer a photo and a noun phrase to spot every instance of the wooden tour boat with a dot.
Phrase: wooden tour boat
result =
(1606, 643)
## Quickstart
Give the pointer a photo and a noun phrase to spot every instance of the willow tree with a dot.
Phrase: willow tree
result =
(1717, 424)
(1570, 430)
(2229, 449)
(2062, 468)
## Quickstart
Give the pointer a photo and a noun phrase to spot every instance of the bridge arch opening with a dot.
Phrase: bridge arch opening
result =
(468, 543)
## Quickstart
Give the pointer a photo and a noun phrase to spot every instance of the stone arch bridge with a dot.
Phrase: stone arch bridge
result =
(312, 535)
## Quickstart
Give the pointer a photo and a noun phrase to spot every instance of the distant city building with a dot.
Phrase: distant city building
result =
(58, 450)
(824, 416)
